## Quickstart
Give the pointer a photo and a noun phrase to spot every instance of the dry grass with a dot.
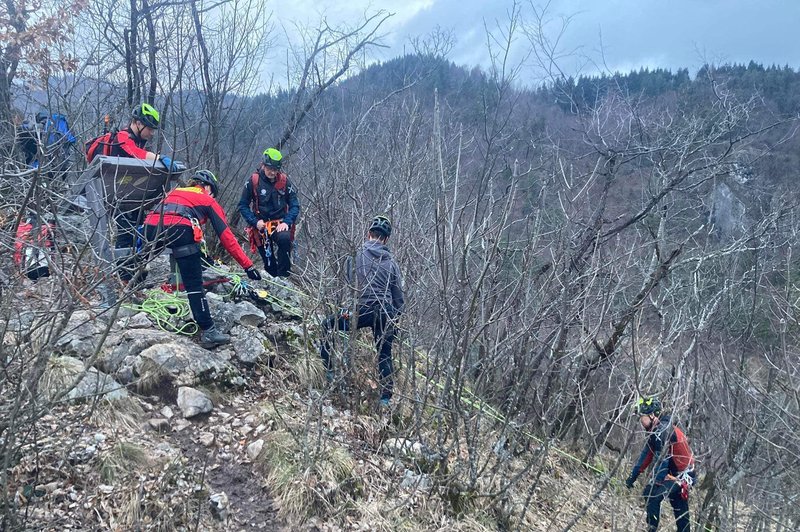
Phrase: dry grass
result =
(120, 416)
(123, 458)
(309, 370)
(59, 374)
(152, 377)
(303, 484)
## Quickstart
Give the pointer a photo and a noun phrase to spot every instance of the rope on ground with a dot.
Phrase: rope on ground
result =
(163, 308)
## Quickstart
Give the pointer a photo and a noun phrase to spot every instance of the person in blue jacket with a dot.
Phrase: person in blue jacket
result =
(270, 206)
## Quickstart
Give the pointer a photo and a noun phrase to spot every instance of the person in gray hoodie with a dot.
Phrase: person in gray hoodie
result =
(376, 279)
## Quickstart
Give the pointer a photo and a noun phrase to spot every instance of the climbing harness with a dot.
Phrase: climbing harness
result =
(199, 237)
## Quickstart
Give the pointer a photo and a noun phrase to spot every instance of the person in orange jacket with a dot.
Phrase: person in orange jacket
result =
(130, 142)
(176, 223)
(673, 474)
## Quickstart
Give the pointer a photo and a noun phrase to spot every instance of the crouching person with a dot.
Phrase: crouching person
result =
(176, 223)
(377, 280)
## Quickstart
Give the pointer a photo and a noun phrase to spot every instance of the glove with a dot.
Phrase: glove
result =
(169, 164)
(253, 274)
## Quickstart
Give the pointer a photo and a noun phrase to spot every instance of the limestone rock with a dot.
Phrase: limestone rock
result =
(137, 321)
(183, 364)
(159, 424)
(249, 344)
(207, 439)
(193, 402)
(129, 345)
(80, 335)
(254, 449)
(61, 373)
(227, 315)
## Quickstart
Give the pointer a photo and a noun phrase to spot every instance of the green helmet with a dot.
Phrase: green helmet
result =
(147, 115)
(207, 177)
(273, 158)
(648, 405)
(381, 224)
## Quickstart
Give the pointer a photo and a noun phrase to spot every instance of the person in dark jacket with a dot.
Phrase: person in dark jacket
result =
(673, 474)
(376, 278)
(176, 223)
(270, 206)
(130, 142)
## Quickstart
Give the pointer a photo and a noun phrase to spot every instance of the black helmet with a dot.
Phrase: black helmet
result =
(147, 115)
(42, 116)
(381, 224)
(648, 405)
(273, 158)
(207, 177)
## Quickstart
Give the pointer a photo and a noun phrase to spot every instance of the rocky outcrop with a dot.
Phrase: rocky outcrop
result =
(228, 315)
(182, 363)
(249, 344)
(62, 372)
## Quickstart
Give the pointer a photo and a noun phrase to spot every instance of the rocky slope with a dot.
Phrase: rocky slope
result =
(161, 434)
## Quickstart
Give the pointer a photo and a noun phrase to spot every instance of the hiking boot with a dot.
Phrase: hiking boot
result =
(211, 338)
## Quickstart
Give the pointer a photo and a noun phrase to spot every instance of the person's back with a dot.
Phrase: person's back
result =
(378, 278)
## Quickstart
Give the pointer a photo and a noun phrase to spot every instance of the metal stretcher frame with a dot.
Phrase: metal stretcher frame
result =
(112, 185)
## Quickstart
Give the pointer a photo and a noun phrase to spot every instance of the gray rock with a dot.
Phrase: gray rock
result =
(21, 322)
(98, 383)
(193, 402)
(248, 343)
(129, 345)
(183, 364)
(137, 321)
(159, 424)
(219, 505)
(284, 331)
(287, 296)
(412, 480)
(227, 315)
(80, 335)
(62, 372)
(254, 449)
(207, 439)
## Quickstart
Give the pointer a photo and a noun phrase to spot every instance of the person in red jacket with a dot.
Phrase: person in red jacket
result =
(673, 473)
(130, 142)
(176, 223)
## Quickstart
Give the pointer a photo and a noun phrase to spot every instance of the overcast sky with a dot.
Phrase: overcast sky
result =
(630, 33)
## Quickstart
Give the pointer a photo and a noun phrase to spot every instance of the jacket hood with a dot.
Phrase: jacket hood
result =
(376, 250)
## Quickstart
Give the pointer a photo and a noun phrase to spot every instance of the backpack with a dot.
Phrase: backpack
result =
(31, 249)
(57, 130)
(107, 140)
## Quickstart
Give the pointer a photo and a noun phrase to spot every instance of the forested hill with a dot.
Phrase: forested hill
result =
(472, 97)
(776, 85)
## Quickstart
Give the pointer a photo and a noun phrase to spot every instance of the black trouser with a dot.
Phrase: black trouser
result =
(382, 333)
(190, 266)
(127, 260)
(653, 495)
(278, 263)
